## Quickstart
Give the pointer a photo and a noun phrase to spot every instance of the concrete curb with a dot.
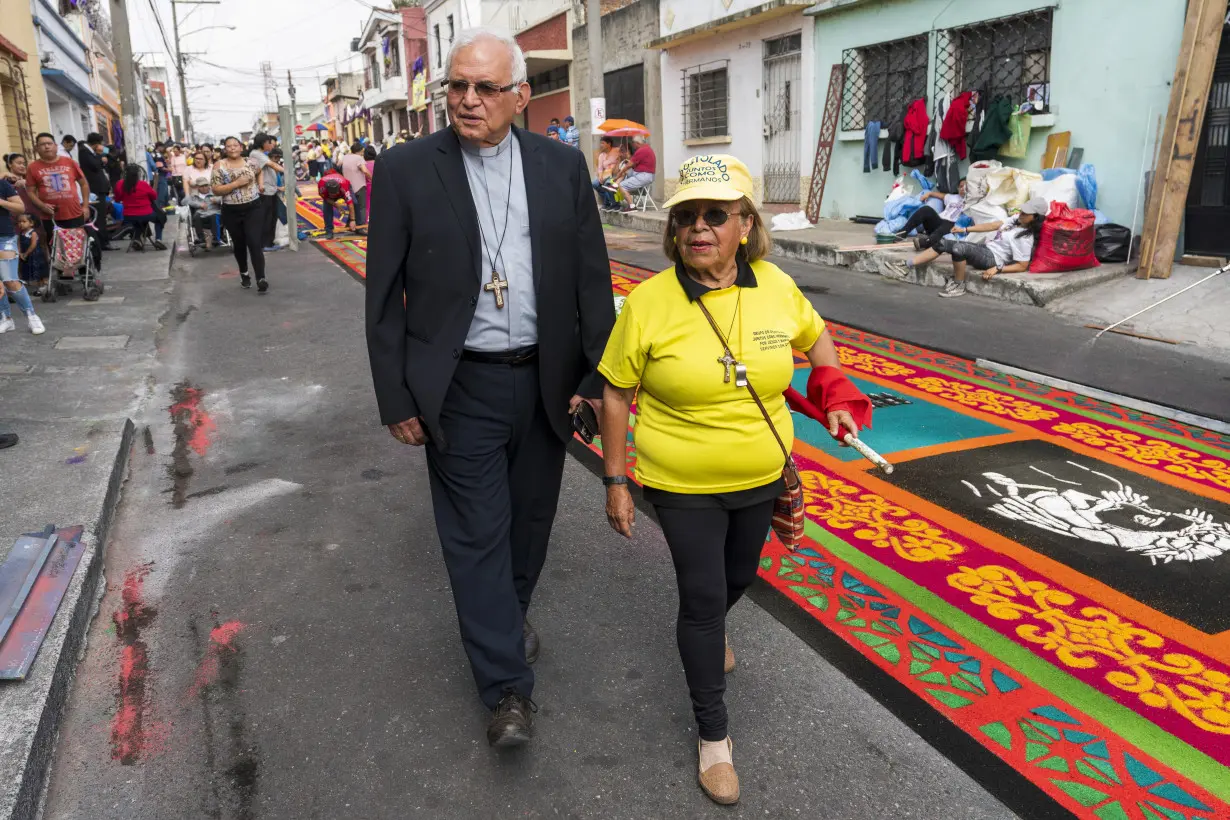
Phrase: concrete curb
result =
(79, 606)
(1032, 289)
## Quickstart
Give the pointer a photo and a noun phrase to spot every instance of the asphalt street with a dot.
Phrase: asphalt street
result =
(277, 638)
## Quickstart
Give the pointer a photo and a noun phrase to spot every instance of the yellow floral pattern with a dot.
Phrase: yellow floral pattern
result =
(1149, 451)
(988, 401)
(842, 506)
(871, 363)
(1134, 658)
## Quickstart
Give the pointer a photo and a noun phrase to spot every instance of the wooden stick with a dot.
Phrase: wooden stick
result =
(1130, 333)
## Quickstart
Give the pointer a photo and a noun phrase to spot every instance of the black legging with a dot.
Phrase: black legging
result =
(934, 225)
(716, 554)
(245, 223)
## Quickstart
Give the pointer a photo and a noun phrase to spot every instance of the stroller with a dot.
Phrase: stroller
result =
(72, 260)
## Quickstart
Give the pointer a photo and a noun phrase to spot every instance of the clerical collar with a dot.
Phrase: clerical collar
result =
(480, 150)
(745, 278)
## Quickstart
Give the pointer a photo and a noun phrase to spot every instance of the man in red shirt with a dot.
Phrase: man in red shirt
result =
(641, 170)
(58, 189)
(334, 188)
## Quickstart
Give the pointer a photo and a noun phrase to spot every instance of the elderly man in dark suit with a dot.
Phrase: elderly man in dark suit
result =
(488, 308)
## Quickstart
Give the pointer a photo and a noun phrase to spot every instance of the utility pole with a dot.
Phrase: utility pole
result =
(291, 187)
(597, 92)
(122, 43)
(189, 136)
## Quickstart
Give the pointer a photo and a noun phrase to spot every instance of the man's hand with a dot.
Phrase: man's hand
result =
(49, 208)
(575, 402)
(409, 432)
(840, 423)
(620, 510)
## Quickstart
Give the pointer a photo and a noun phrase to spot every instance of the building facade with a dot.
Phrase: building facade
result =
(445, 18)
(104, 84)
(631, 72)
(547, 45)
(414, 43)
(386, 85)
(23, 101)
(64, 61)
(737, 79)
(1101, 71)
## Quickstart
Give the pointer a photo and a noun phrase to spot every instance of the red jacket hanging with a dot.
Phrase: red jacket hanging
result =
(915, 143)
(953, 131)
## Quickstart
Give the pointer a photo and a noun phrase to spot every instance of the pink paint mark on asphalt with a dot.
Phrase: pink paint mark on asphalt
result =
(221, 643)
(188, 415)
(131, 734)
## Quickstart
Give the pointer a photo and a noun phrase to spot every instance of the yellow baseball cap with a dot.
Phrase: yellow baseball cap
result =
(719, 177)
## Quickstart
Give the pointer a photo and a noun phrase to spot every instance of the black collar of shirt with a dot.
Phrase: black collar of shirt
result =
(745, 278)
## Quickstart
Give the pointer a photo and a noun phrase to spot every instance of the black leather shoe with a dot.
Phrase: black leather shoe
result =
(530, 634)
(512, 721)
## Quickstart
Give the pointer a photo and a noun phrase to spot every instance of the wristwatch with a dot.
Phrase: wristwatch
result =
(613, 480)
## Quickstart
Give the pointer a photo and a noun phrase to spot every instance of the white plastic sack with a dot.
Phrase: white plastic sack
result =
(791, 222)
(1061, 189)
(1010, 187)
(903, 186)
(976, 188)
(981, 213)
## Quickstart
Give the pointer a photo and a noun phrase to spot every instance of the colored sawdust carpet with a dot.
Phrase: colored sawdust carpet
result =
(1045, 570)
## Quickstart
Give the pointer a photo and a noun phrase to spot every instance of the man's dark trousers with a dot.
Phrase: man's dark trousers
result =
(494, 493)
(269, 215)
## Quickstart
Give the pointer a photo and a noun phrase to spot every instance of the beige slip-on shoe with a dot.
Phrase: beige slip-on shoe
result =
(730, 658)
(719, 782)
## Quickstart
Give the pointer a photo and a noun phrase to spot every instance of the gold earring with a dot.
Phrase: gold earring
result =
(675, 239)
(743, 241)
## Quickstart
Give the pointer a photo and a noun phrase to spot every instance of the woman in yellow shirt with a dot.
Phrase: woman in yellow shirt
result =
(707, 459)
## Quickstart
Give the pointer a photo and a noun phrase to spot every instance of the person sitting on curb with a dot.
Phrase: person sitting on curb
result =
(935, 222)
(1009, 251)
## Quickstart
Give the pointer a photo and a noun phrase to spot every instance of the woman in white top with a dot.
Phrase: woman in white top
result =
(1009, 251)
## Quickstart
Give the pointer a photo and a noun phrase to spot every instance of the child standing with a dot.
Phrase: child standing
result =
(10, 285)
(32, 267)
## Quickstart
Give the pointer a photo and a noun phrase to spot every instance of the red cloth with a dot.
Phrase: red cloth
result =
(341, 180)
(828, 390)
(916, 123)
(55, 183)
(953, 130)
(137, 202)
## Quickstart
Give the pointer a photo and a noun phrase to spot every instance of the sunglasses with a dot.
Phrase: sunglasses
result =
(485, 90)
(686, 217)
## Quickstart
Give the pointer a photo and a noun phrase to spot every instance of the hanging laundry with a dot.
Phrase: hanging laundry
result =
(1018, 146)
(871, 140)
(955, 119)
(977, 116)
(896, 135)
(996, 129)
(915, 124)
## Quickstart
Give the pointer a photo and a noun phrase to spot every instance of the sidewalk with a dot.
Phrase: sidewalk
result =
(70, 394)
(843, 244)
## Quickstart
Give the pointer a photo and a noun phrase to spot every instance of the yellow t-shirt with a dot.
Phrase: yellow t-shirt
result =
(696, 433)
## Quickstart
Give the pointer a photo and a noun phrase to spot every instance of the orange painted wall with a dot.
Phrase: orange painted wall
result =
(540, 111)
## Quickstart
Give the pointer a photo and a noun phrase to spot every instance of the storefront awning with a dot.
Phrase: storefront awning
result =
(747, 17)
(74, 89)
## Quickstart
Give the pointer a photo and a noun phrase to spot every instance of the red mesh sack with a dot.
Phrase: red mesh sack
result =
(1067, 241)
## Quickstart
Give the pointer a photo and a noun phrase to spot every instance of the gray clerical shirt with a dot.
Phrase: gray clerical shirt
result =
(516, 325)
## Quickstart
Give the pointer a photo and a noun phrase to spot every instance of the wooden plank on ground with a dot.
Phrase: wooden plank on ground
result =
(1189, 98)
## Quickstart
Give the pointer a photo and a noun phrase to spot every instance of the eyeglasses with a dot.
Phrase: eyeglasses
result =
(485, 90)
(714, 217)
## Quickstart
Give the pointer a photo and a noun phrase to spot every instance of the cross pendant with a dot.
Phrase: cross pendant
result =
(728, 361)
(497, 286)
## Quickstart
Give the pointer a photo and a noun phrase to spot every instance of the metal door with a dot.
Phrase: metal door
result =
(782, 102)
(1208, 199)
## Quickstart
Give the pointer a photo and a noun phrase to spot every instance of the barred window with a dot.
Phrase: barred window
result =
(881, 80)
(1009, 56)
(706, 100)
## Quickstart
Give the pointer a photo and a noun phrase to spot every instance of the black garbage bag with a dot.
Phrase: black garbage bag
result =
(1112, 243)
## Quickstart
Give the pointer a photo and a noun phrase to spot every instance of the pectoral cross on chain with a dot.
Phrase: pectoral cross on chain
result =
(498, 286)
(728, 361)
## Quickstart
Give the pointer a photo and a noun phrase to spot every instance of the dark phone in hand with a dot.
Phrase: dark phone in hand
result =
(585, 422)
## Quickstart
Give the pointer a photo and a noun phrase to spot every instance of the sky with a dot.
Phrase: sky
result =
(225, 89)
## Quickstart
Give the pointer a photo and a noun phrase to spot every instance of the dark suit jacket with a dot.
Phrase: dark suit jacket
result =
(95, 173)
(425, 270)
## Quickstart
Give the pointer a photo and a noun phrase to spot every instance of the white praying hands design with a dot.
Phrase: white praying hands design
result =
(1116, 517)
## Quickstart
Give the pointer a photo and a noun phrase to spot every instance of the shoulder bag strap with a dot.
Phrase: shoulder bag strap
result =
(750, 389)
